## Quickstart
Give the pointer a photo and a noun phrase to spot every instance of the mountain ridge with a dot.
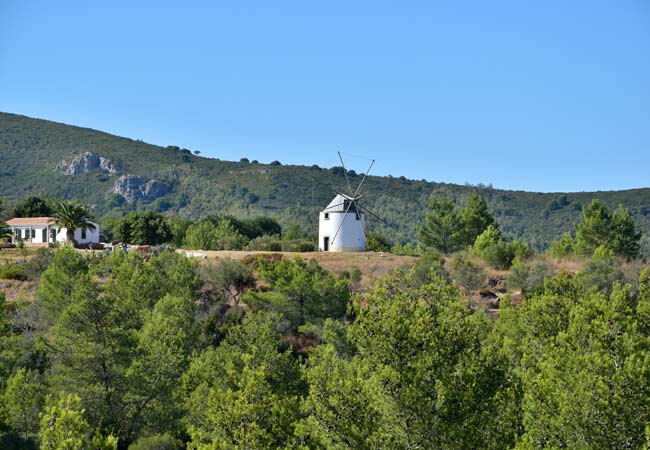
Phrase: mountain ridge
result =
(194, 186)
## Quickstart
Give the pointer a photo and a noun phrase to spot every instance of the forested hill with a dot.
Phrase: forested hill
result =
(116, 175)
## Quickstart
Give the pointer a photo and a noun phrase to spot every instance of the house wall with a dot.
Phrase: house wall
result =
(91, 236)
(61, 235)
(350, 238)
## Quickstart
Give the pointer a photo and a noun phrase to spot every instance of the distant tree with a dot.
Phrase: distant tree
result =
(230, 278)
(442, 229)
(244, 160)
(5, 231)
(146, 228)
(72, 215)
(197, 152)
(275, 163)
(376, 242)
(594, 228)
(490, 246)
(625, 238)
(562, 247)
(475, 218)
(33, 206)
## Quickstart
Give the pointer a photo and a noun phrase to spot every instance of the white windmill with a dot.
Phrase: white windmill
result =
(341, 224)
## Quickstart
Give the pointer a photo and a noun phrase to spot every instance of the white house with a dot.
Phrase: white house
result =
(341, 226)
(42, 230)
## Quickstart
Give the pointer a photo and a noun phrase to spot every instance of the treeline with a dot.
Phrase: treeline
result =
(473, 229)
(126, 351)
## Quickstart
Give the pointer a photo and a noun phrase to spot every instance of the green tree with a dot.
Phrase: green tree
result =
(58, 281)
(375, 242)
(490, 246)
(72, 215)
(443, 228)
(475, 218)
(145, 228)
(244, 393)
(63, 427)
(562, 247)
(5, 231)
(23, 399)
(594, 229)
(163, 349)
(625, 238)
(33, 206)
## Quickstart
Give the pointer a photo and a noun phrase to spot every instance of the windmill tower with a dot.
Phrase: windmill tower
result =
(341, 225)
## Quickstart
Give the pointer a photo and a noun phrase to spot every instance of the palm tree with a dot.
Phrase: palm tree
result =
(72, 215)
(5, 231)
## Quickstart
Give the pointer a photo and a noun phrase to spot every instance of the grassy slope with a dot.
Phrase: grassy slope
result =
(30, 148)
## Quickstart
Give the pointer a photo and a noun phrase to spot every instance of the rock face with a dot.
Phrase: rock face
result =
(134, 188)
(84, 163)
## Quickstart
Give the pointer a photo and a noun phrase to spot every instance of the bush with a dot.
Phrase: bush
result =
(376, 242)
(39, 262)
(465, 273)
(157, 442)
(265, 243)
(12, 271)
(428, 267)
(527, 278)
(562, 247)
(496, 252)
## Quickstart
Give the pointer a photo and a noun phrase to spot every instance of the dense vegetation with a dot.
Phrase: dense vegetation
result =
(31, 148)
(159, 352)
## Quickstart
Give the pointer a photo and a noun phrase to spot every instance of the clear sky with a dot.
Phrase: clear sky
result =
(551, 95)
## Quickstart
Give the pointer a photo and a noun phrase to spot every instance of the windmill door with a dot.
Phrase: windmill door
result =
(326, 244)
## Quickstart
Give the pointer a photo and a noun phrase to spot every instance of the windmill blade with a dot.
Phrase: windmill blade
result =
(364, 178)
(384, 221)
(345, 216)
(345, 172)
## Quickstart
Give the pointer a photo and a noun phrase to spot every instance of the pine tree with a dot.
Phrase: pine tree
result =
(475, 218)
(625, 239)
(443, 228)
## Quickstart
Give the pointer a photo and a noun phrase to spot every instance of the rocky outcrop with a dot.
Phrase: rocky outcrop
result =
(84, 163)
(134, 188)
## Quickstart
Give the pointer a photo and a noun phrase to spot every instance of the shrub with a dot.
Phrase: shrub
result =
(375, 242)
(12, 271)
(265, 243)
(496, 252)
(562, 247)
(465, 273)
(526, 277)
(428, 267)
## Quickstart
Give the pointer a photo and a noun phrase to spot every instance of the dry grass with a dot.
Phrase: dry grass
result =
(372, 265)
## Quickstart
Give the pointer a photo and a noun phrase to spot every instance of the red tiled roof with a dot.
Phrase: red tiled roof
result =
(27, 221)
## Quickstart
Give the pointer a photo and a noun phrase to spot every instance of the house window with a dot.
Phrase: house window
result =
(83, 234)
(33, 233)
(327, 216)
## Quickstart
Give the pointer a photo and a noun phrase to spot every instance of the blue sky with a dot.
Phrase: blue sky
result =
(544, 96)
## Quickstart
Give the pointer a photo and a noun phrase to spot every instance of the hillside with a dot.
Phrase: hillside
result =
(116, 175)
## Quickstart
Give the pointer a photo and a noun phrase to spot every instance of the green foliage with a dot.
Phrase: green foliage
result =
(157, 442)
(58, 281)
(443, 229)
(490, 246)
(597, 228)
(12, 271)
(376, 242)
(528, 277)
(205, 235)
(63, 427)
(308, 293)
(429, 268)
(22, 400)
(72, 215)
(33, 206)
(143, 228)
(230, 278)
(475, 218)
(562, 247)
(465, 273)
